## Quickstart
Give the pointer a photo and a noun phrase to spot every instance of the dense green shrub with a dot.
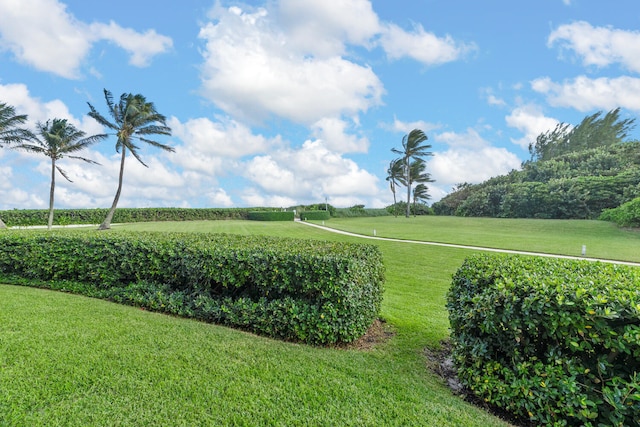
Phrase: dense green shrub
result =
(400, 208)
(302, 290)
(579, 185)
(314, 207)
(555, 341)
(359, 211)
(30, 217)
(625, 215)
(271, 216)
(314, 215)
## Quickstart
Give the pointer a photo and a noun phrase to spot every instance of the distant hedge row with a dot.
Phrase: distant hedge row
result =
(30, 217)
(271, 216)
(302, 290)
(315, 215)
(553, 341)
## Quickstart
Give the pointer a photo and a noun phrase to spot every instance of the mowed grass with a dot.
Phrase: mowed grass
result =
(566, 237)
(74, 361)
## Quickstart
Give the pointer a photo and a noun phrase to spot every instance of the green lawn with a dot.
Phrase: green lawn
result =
(74, 361)
(602, 239)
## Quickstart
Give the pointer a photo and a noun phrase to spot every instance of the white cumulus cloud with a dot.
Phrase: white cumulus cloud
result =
(421, 45)
(324, 27)
(531, 121)
(469, 158)
(599, 46)
(45, 35)
(584, 93)
(250, 72)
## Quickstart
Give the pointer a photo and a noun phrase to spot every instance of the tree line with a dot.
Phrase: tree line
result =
(133, 119)
(574, 173)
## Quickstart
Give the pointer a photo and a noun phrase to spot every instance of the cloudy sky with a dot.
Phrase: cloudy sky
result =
(281, 102)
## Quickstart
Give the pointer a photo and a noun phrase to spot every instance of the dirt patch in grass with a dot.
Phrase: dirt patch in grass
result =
(379, 332)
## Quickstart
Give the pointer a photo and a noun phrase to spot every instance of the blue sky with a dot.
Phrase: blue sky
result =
(281, 102)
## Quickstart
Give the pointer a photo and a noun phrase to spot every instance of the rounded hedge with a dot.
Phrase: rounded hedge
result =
(554, 341)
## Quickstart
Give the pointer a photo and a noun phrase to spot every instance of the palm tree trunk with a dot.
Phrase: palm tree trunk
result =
(106, 224)
(408, 174)
(53, 186)
(395, 203)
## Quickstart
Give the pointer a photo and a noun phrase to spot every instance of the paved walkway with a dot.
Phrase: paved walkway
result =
(475, 248)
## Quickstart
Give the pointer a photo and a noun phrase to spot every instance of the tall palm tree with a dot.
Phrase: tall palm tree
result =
(57, 139)
(420, 193)
(133, 119)
(395, 177)
(412, 148)
(10, 130)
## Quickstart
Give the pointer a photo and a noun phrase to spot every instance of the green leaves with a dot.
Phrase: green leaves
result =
(555, 341)
(302, 290)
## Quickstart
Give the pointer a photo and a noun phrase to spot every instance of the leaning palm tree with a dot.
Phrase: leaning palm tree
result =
(420, 193)
(57, 139)
(411, 150)
(133, 119)
(10, 130)
(395, 177)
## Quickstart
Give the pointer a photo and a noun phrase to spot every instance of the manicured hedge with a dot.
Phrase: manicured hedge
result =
(271, 216)
(315, 215)
(302, 290)
(30, 217)
(554, 341)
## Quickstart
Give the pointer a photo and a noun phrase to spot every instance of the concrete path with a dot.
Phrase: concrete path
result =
(475, 248)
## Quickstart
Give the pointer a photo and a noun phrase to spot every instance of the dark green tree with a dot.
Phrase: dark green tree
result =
(57, 139)
(413, 148)
(133, 120)
(592, 132)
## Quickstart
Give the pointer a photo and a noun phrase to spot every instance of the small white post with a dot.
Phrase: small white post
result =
(584, 250)
(374, 231)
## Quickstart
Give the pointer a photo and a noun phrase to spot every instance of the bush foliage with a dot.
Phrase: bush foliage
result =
(315, 215)
(554, 341)
(31, 217)
(271, 216)
(625, 215)
(302, 290)
(576, 185)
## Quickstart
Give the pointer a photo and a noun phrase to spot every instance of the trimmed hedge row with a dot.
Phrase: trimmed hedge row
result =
(554, 341)
(271, 216)
(315, 215)
(30, 217)
(302, 290)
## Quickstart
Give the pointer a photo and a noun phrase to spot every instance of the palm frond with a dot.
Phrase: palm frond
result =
(63, 173)
(158, 145)
(10, 131)
(33, 148)
(93, 162)
(95, 115)
(154, 130)
(137, 156)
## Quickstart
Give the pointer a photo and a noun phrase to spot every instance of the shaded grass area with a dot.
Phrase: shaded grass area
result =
(566, 237)
(71, 360)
